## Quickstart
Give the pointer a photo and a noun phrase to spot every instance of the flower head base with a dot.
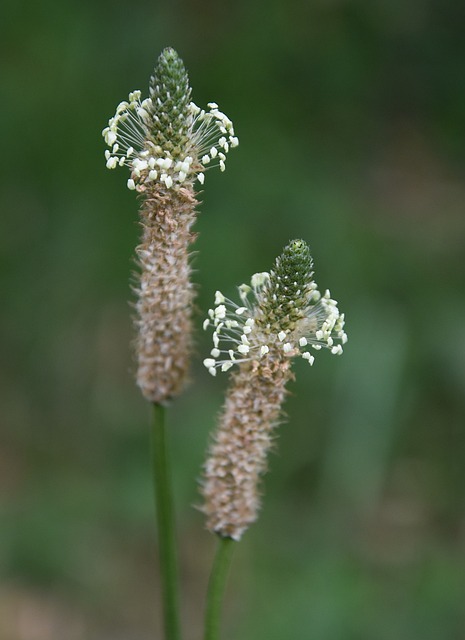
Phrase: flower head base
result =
(281, 311)
(166, 138)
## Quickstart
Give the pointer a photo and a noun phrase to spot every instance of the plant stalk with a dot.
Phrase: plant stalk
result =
(165, 524)
(216, 587)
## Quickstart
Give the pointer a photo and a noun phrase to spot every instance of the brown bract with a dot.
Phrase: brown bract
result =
(238, 453)
(164, 291)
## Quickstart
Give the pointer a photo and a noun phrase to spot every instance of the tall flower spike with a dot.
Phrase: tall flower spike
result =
(167, 143)
(282, 315)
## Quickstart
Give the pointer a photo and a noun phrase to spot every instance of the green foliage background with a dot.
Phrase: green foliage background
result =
(351, 127)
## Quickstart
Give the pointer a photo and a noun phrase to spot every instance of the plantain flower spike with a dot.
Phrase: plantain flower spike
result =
(167, 143)
(281, 315)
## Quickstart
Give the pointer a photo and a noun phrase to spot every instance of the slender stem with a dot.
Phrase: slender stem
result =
(216, 587)
(165, 521)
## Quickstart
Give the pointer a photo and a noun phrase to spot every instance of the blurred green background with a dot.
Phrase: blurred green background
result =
(351, 124)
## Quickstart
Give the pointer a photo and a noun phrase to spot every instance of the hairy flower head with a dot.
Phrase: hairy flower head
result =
(282, 315)
(280, 312)
(166, 142)
(166, 138)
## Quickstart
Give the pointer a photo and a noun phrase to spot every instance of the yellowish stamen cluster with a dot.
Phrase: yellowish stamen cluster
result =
(238, 337)
(210, 136)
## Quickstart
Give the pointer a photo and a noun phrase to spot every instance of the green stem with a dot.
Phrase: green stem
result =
(165, 521)
(216, 587)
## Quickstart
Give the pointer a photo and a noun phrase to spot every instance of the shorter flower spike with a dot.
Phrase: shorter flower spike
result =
(282, 315)
(166, 138)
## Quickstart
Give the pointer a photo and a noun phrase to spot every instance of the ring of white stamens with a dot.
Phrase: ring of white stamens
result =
(236, 327)
(210, 136)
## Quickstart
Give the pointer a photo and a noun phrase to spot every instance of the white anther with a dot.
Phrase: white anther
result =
(220, 311)
(110, 138)
(308, 356)
(259, 279)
